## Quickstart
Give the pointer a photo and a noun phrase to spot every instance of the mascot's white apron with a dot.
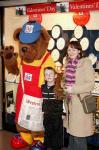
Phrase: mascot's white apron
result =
(30, 114)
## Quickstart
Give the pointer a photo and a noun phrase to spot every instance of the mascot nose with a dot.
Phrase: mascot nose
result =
(24, 49)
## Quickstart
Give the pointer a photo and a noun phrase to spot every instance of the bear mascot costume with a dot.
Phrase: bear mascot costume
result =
(29, 62)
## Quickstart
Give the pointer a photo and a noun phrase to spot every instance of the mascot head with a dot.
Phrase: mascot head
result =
(33, 41)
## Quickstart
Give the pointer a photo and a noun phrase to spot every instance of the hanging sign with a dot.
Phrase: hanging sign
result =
(84, 6)
(78, 6)
(40, 9)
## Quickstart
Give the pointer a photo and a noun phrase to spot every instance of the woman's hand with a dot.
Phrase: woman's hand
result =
(68, 89)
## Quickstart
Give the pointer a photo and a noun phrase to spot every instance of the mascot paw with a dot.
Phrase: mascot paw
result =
(37, 146)
(17, 142)
(10, 59)
(9, 54)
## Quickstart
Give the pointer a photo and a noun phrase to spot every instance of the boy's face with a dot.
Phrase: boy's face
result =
(49, 75)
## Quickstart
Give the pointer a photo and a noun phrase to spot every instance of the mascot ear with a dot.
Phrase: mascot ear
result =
(16, 34)
(45, 35)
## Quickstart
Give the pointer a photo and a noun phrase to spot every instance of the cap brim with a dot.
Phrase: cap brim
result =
(28, 37)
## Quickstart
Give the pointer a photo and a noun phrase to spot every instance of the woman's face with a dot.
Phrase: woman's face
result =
(72, 52)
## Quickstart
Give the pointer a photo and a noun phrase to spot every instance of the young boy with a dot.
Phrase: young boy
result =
(53, 110)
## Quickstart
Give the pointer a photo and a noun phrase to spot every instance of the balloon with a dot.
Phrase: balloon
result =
(37, 17)
(81, 18)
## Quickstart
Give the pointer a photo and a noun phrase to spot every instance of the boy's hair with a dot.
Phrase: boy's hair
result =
(50, 68)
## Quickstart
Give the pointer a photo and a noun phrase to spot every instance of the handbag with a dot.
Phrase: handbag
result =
(89, 103)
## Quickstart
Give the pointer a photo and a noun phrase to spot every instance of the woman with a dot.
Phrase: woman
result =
(78, 79)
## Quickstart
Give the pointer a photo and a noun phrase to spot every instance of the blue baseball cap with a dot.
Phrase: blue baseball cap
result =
(30, 32)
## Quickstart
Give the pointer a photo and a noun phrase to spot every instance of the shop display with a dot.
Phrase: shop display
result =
(78, 32)
(96, 44)
(60, 43)
(56, 31)
(97, 122)
(96, 89)
(55, 54)
(51, 44)
(84, 43)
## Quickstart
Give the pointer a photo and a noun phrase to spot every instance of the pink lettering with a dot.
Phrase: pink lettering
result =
(32, 103)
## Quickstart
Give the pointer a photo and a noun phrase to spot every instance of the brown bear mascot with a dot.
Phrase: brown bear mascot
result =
(30, 62)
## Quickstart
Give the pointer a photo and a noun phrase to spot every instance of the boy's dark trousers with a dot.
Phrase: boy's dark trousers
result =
(53, 136)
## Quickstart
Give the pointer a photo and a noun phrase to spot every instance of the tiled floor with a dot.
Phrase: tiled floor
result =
(5, 138)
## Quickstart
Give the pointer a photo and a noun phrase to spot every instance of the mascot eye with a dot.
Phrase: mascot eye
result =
(11, 47)
(24, 49)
